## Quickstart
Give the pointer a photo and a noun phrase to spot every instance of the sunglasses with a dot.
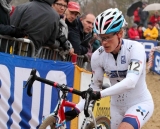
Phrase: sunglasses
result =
(107, 37)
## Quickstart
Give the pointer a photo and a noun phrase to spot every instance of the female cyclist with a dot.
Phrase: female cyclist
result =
(124, 61)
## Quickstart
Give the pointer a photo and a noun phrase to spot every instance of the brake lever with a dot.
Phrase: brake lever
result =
(87, 98)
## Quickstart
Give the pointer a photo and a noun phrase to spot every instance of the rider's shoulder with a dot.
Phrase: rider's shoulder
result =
(132, 44)
(100, 50)
(98, 53)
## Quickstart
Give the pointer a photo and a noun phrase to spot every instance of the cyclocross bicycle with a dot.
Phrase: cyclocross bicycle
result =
(56, 120)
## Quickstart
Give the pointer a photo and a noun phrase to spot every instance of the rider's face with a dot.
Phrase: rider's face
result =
(110, 41)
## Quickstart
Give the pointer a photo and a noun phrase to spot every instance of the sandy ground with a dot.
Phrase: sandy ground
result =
(153, 82)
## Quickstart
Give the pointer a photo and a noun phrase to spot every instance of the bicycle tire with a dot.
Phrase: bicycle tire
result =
(100, 120)
(49, 121)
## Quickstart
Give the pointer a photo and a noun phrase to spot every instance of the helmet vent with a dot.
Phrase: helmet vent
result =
(114, 13)
(101, 21)
(102, 14)
(110, 19)
(119, 17)
(108, 13)
(115, 25)
(96, 24)
(107, 23)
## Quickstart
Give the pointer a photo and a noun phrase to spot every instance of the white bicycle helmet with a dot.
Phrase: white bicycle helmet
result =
(109, 21)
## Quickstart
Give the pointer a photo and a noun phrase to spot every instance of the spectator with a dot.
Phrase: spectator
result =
(40, 21)
(133, 32)
(136, 16)
(5, 27)
(72, 12)
(143, 15)
(126, 32)
(80, 33)
(140, 32)
(155, 18)
(60, 6)
(151, 33)
(94, 44)
(158, 28)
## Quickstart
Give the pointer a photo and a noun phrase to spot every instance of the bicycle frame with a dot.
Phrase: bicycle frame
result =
(58, 112)
(91, 118)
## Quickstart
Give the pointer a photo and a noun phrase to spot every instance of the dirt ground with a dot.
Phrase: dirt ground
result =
(153, 82)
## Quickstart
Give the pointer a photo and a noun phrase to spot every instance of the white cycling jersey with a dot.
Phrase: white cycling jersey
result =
(131, 100)
(126, 73)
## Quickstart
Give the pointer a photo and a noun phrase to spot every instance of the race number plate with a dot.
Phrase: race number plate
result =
(134, 66)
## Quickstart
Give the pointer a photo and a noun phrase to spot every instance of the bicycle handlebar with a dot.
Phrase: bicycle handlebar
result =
(34, 77)
(62, 87)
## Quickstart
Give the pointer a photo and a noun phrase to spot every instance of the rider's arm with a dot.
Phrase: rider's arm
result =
(97, 70)
(135, 69)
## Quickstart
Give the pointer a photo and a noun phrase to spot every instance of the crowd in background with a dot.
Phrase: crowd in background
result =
(60, 25)
(54, 23)
(145, 26)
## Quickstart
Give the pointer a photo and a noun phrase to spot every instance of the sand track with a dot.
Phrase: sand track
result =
(153, 82)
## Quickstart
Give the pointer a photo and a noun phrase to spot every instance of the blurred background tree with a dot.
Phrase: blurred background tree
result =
(97, 6)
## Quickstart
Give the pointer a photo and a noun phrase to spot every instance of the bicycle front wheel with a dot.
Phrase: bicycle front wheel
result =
(102, 123)
(48, 122)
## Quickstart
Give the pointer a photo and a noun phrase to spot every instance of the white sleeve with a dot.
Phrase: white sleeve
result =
(97, 77)
(97, 72)
(135, 68)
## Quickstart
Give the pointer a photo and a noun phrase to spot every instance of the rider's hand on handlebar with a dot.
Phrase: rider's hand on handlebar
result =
(95, 95)
(83, 94)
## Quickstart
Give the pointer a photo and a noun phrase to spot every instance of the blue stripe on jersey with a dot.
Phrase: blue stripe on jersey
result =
(115, 74)
(131, 121)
